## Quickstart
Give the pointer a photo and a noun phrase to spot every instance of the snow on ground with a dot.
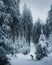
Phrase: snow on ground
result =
(32, 49)
(22, 59)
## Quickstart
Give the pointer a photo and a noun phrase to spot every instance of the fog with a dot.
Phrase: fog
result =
(39, 8)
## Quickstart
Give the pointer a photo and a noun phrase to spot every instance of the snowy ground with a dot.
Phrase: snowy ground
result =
(21, 59)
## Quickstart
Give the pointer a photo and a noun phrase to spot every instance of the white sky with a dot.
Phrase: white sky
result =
(39, 8)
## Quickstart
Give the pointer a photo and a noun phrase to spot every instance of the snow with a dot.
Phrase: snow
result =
(22, 45)
(1, 4)
(32, 49)
(42, 40)
(21, 59)
(43, 44)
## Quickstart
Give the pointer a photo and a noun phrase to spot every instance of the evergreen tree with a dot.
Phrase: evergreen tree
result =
(46, 30)
(49, 19)
(36, 31)
(26, 22)
(41, 47)
(7, 23)
(13, 9)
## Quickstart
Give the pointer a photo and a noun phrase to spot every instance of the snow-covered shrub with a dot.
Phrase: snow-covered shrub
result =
(40, 52)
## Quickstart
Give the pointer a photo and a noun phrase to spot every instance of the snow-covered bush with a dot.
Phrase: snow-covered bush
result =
(40, 52)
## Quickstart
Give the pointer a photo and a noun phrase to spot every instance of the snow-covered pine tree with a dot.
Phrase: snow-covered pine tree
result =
(46, 30)
(49, 20)
(6, 20)
(41, 47)
(36, 31)
(26, 22)
(12, 8)
(49, 23)
(14, 4)
(48, 26)
(3, 50)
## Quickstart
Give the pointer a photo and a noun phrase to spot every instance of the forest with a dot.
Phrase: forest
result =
(18, 32)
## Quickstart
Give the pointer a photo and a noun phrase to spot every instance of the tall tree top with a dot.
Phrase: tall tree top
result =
(51, 7)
